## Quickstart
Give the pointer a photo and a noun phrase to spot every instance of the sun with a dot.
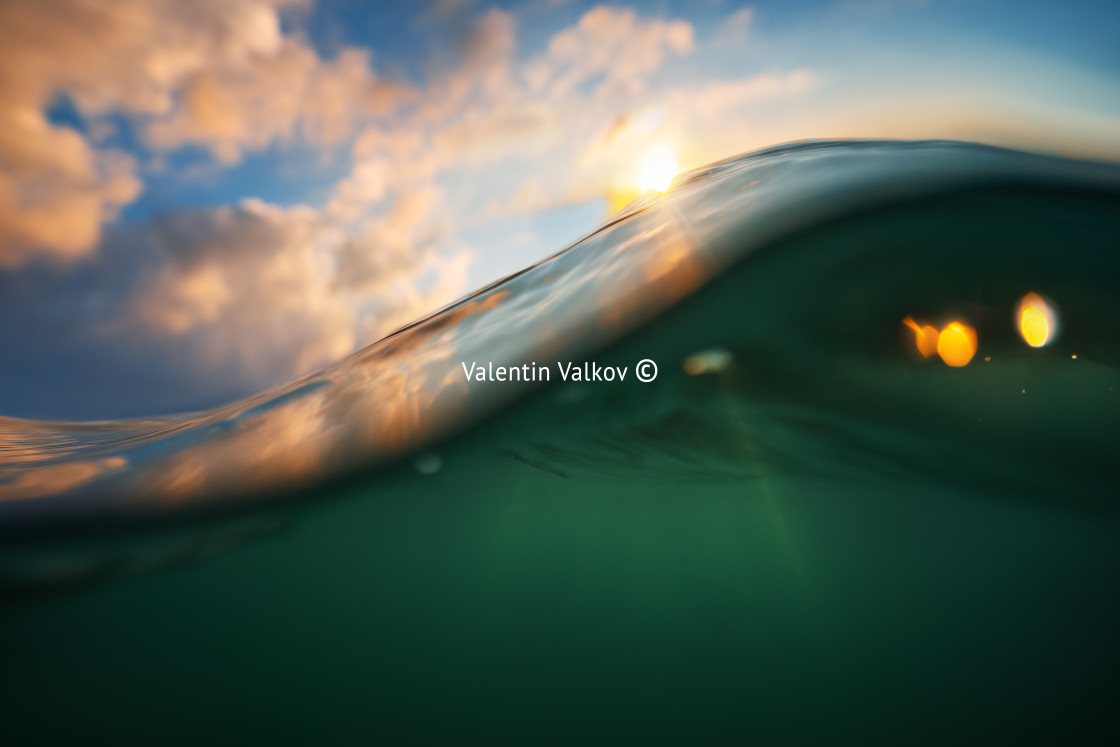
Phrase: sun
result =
(657, 169)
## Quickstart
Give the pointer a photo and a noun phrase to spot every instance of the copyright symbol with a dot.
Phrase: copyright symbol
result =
(646, 370)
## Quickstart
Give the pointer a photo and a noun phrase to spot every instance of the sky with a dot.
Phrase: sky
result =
(200, 200)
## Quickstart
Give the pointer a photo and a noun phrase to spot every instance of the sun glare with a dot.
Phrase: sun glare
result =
(657, 169)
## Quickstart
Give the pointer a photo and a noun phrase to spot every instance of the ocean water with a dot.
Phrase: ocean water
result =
(800, 530)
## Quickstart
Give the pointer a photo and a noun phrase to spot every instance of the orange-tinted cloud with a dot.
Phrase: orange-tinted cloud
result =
(274, 291)
(272, 97)
(221, 75)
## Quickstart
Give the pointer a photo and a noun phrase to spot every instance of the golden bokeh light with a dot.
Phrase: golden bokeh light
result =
(925, 337)
(956, 344)
(1037, 320)
(657, 168)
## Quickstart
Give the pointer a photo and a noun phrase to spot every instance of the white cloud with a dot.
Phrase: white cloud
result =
(613, 43)
(580, 115)
(217, 74)
(726, 98)
(55, 190)
(277, 96)
(271, 292)
(275, 292)
(734, 28)
(542, 113)
(401, 242)
(249, 289)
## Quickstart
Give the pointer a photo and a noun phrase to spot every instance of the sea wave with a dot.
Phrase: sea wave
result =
(793, 266)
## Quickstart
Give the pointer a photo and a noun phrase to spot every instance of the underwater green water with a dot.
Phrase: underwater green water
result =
(826, 538)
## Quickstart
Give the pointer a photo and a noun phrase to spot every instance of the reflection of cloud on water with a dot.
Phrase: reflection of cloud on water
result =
(21, 484)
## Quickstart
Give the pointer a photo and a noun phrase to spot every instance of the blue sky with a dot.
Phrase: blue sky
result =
(200, 200)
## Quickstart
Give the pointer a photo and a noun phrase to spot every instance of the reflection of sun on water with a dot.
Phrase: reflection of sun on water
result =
(657, 169)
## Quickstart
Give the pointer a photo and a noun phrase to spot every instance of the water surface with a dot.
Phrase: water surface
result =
(812, 533)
